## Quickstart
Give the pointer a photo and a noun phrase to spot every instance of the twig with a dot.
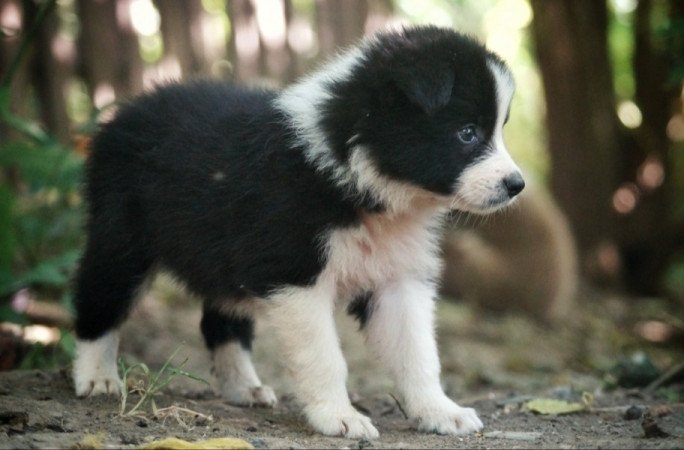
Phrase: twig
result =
(664, 378)
(175, 412)
(626, 407)
(399, 406)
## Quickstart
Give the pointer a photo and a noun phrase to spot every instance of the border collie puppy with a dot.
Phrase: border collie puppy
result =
(287, 204)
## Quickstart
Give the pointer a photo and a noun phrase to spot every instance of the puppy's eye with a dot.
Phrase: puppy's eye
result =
(467, 135)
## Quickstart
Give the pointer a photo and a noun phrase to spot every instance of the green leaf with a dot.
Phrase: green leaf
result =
(4, 98)
(8, 314)
(52, 272)
(43, 166)
(7, 238)
(67, 343)
(176, 371)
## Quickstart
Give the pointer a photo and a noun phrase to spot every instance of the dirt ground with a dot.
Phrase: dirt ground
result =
(494, 364)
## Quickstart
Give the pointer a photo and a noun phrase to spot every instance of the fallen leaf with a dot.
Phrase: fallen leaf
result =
(175, 443)
(551, 406)
(91, 442)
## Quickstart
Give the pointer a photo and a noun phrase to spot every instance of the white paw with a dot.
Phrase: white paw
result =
(95, 370)
(449, 418)
(95, 385)
(347, 422)
(262, 396)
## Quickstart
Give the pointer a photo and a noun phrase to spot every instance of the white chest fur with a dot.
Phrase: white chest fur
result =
(382, 249)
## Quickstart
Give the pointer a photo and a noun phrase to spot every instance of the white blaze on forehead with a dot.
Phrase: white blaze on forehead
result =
(480, 187)
(505, 86)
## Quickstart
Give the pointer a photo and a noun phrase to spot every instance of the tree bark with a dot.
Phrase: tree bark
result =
(340, 23)
(108, 47)
(646, 234)
(570, 38)
(181, 32)
(51, 68)
(245, 48)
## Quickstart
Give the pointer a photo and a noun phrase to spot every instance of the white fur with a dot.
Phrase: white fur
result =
(302, 319)
(237, 379)
(383, 248)
(480, 187)
(379, 251)
(95, 370)
(395, 255)
(401, 332)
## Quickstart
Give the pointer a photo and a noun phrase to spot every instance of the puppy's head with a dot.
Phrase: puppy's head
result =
(419, 108)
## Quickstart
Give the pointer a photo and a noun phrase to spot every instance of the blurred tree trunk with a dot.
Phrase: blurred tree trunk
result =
(571, 43)
(261, 51)
(647, 233)
(378, 14)
(340, 23)
(244, 50)
(281, 61)
(51, 68)
(181, 31)
(108, 48)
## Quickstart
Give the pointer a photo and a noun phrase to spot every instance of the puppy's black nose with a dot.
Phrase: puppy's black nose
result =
(514, 184)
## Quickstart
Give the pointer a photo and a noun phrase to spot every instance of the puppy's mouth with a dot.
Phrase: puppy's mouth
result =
(488, 196)
(488, 207)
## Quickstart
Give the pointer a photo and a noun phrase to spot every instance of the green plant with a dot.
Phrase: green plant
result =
(40, 211)
(149, 383)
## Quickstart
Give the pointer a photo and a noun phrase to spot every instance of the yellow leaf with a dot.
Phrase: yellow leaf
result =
(175, 443)
(551, 406)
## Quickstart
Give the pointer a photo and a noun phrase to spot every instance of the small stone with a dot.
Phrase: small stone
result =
(258, 443)
(634, 412)
(364, 443)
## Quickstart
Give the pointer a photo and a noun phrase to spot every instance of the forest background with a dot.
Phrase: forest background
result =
(598, 119)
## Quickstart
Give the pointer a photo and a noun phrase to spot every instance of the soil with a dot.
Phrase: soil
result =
(494, 364)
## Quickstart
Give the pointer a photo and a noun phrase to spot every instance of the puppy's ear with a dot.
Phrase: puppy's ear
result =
(427, 85)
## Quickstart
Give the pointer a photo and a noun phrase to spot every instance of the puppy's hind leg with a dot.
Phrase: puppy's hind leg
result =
(107, 282)
(229, 338)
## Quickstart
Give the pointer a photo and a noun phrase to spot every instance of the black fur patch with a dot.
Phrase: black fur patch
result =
(361, 308)
(218, 328)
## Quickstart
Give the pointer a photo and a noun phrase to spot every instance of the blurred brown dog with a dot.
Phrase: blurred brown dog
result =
(523, 259)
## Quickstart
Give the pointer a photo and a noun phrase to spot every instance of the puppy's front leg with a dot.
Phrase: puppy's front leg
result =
(400, 328)
(303, 320)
